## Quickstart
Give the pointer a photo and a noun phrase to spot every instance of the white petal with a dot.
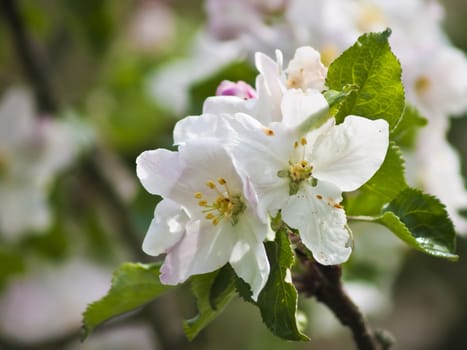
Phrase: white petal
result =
(166, 229)
(298, 105)
(349, 154)
(158, 170)
(227, 105)
(249, 259)
(315, 212)
(259, 157)
(204, 248)
(201, 127)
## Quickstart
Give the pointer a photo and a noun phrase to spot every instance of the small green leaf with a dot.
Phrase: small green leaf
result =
(382, 188)
(213, 291)
(133, 285)
(406, 130)
(371, 66)
(278, 300)
(421, 220)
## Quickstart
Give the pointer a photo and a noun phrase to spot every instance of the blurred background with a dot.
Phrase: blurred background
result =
(85, 87)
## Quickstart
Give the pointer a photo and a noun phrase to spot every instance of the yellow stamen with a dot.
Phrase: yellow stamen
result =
(198, 195)
(211, 184)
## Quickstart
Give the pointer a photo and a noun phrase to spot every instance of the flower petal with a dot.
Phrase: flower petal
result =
(298, 105)
(315, 212)
(227, 105)
(201, 127)
(349, 154)
(249, 259)
(166, 229)
(258, 154)
(204, 248)
(158, 170)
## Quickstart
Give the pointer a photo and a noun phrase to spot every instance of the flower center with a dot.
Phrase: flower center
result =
(328, 52)
(369, 17)
(298, 171)
(422, 84)
(226, 205)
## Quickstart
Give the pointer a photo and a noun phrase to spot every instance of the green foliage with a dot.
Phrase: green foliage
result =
(53, 244)
(93, 20)
(405, 131)
(125, 114)
(421, 221)
(133, 285)
(387, 182)
(213, 292)
(278, 300)
(370, 66)
(11, 263)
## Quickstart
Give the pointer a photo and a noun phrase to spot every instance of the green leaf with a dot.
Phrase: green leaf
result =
(213, 292)
(133, 285)
(383, 187)
(421, 220)
(406, 130)
(370, 66)
(278, 299)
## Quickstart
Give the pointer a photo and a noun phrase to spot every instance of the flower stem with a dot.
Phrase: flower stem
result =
(324, 283)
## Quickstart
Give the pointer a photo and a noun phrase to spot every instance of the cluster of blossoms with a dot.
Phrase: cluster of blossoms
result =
(252, 155)
(434, 72)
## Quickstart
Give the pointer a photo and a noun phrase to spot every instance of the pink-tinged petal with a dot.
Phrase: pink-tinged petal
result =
(349, 154)
(297, 106)
(239, 89)
(166, 229)
(158, 170)
(321, 221)
(249, 259)
(204, 248)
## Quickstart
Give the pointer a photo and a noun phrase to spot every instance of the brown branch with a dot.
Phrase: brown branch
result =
(324, 283)
(31, 62)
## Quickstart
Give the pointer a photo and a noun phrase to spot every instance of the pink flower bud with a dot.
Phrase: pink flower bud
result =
(239, 89)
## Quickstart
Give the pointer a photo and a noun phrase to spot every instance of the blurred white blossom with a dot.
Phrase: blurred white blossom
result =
(33, 150)
(47, 302)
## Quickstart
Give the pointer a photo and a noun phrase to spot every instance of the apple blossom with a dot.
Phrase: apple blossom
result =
(208, 212)
(32, 151)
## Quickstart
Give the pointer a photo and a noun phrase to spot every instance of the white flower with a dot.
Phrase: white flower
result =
(275, 102)
(303, 176)
(32, 151)
(207, 217)
(305, 70)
